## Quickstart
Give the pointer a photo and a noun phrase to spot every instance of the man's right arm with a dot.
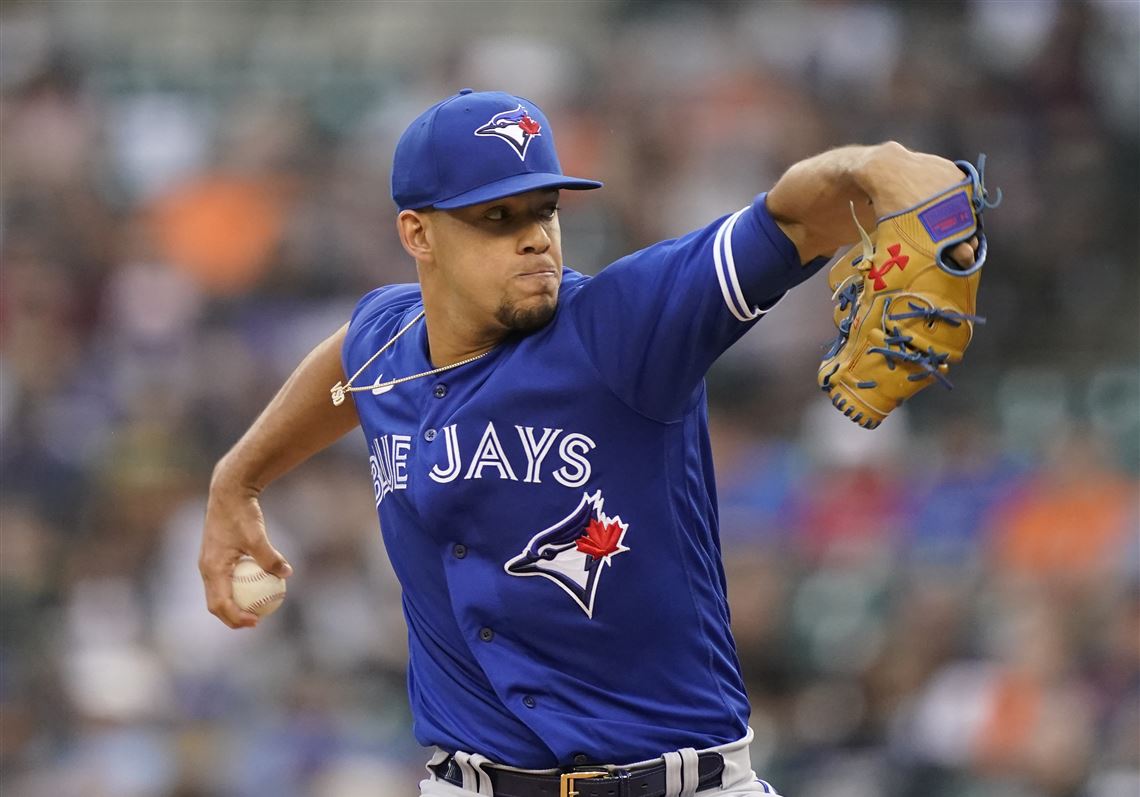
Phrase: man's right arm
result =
(300, 421)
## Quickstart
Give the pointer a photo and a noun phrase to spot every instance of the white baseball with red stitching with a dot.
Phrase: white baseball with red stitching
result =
(256, 590)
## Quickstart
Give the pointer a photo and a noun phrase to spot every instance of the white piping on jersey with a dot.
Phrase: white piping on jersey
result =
(726, 265)
(339, 390)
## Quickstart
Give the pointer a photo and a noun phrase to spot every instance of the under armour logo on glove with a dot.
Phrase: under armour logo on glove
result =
(877, 274)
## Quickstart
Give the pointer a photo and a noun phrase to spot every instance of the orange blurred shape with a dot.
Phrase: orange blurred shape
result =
(1078, 528)
(220, 229)
(1013, 713)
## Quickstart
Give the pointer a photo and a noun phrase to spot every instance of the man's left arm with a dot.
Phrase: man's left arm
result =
(812, 201)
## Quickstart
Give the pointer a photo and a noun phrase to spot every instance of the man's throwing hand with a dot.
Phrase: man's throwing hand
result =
(234, 528)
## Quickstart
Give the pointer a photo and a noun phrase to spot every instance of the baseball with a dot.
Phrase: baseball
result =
(255, 590)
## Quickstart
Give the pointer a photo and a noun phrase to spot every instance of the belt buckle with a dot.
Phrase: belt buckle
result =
(566, 785)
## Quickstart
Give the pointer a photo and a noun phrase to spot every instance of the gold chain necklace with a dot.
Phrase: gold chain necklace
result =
(339, 390)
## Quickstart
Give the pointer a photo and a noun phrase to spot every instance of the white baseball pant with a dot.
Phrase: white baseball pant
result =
(737, 779)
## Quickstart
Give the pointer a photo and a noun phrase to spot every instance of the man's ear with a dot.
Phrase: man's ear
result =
(412, 227)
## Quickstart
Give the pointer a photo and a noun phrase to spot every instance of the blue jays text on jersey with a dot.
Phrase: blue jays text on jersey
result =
(389, 458)
(550, 509)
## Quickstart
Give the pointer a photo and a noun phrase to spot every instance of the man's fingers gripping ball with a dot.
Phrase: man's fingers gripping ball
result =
(255, 590)
(232, 602)
(906, 301)
(269, 558)
(217, 579)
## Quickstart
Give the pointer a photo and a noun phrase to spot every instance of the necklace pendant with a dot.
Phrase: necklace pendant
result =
(339, 390)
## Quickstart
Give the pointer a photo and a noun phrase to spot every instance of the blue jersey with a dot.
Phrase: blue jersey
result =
(550, 509)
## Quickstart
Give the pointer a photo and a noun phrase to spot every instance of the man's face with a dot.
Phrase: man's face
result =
(501, 260)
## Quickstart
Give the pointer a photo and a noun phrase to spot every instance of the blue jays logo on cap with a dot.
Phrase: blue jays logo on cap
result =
(573, 552)
(515, 127)
(441, 162)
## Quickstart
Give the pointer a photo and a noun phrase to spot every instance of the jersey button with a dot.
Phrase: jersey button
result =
(486, 634)
(581, 759)
(459, 551)
(429, 435)
(530, 702)
(440, 390)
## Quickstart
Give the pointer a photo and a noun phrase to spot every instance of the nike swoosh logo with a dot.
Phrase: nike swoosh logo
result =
(376, 391)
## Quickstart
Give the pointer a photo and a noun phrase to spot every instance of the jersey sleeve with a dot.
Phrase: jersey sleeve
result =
(654, 321)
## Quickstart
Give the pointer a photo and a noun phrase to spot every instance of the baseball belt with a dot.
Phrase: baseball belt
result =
(643, 781)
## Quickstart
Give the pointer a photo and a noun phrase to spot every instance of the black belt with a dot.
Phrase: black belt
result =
(647, 781)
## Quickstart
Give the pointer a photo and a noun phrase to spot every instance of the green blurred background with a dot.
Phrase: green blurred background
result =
(194, 193)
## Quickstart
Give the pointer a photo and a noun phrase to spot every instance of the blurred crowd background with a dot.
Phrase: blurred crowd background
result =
(192, 194)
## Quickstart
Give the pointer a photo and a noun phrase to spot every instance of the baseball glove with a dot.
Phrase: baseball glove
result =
(905, 311)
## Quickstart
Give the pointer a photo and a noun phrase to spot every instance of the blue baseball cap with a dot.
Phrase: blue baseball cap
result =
(474, 147)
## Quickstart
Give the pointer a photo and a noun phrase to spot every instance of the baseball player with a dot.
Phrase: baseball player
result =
(538, 446)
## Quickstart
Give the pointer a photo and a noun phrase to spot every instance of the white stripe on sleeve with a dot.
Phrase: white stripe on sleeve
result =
(726, 272)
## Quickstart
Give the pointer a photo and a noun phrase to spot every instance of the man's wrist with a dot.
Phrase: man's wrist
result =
(876, 169)
(227, 479)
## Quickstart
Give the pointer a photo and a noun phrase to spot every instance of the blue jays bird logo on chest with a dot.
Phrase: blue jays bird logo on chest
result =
(574, 552)
(516, 127)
